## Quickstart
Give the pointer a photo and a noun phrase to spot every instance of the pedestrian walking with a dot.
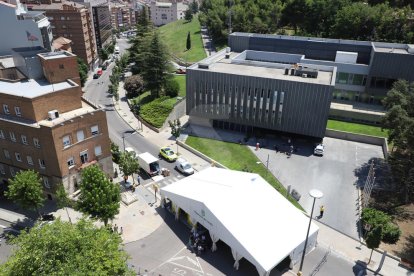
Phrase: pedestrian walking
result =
(321, 210)
(121, 231)
(139, 180)
(116, 228)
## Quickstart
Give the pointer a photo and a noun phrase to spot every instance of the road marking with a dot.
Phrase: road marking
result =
(152, 270)
(2, 226)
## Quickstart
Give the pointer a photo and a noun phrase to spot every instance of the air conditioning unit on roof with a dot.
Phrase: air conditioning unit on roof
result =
(53, 114)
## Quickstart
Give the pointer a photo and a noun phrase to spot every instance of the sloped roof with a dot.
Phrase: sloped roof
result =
(244, 211)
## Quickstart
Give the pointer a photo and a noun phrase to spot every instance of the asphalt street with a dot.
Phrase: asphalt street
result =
(5, 248)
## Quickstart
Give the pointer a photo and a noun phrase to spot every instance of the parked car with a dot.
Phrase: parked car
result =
(319, 150)
(168, 154)
(96, 76)
(183, 166)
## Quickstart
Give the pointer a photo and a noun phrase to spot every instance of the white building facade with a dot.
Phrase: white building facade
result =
(163, 13)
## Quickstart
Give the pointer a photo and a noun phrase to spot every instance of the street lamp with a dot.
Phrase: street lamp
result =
(315, 194)
(267, 164)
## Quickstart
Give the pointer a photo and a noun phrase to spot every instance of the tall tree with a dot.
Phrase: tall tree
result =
(83, 71)
(194, 7)
(61, 248)
(373, 240)
(128, 164)
(188, 44)
(63, 200)
(134, 85)
(26, 190)
(188, 15)
(399, 120)
(99, 197)
(156, 66)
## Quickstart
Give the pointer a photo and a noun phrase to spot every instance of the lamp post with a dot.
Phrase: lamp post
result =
(315, 194)
(123, 140)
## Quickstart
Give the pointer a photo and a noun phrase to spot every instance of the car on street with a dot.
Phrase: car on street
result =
(96, 76)
(319, 150)
(183, 166)
(168, 154)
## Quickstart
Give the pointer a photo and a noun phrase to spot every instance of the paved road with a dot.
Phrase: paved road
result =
(5, 248)
(96, 91)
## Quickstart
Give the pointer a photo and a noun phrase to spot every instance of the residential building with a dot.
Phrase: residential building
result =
(25, 28)
(122, 16)
(101, 17)
(251, 90)
(365, 70)
(46, 125)
(162, 13)
(73, 21)
(62, 44)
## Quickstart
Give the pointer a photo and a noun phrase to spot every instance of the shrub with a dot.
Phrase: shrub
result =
(134, 85)
(156, 112)
(172, 88)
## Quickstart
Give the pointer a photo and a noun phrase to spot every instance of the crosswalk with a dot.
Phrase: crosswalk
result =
(165, 181)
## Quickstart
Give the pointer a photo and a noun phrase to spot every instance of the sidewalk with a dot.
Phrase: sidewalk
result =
(341, 244)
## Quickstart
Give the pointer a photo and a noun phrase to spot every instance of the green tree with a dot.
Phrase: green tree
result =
(61, 248)
(144, 24)
(134, 85)
(382, 229)
(99, 197)
(188, 15)
(188, 44)
(62, 199)
(172, 88)
(194, 7)
(156, 66)
(83, 71)
(128, 164)
(175, 128)
(294, 13)
(399, 120)
(26, 190)
(103, 54)
(116, 153)
(373, 240)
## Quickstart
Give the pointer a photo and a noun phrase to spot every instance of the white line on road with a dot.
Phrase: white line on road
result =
(2, 226)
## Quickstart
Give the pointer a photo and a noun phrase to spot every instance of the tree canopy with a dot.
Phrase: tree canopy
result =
(61, 248)
(347, 19)
(128, 164)
(399, 120)
(134, 85)
(99, 197)
(26, 190)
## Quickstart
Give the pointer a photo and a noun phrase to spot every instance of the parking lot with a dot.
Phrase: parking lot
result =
(334, 174)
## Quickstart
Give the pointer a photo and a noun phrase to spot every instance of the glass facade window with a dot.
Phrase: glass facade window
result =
(342, 78)
(351, 79)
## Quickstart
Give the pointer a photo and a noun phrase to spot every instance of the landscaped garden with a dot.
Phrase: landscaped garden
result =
(174, 35)
(357, 128)
(236, 157)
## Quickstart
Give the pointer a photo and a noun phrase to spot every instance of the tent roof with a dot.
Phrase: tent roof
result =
(248, 214)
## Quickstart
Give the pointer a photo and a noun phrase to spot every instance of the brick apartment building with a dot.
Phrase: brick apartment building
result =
(73, 21)
(46, 126)
(122, 16)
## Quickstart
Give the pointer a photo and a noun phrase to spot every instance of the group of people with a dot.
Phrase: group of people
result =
(198, 243)
(115, 229)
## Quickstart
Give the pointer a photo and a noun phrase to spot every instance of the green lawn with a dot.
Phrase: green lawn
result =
(236, 157)
(174, 37)
(357, 128)
(181, 81)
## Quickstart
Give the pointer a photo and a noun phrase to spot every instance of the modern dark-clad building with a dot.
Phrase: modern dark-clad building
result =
(254, 89)
(365, 70)
(102, 25)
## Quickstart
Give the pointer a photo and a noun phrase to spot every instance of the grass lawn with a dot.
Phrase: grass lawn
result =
(174, 37)
(357, 128)
(181, 81)
(236, 157)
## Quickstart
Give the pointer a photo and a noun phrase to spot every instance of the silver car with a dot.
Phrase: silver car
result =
(183, 166)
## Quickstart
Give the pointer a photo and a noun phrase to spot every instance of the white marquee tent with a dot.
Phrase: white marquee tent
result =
(246, 213)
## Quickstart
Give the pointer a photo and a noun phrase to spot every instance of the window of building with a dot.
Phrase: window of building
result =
(46, 182)
(2, 171)
(62, 18)
(50, 17)
(24, 139)
(6, 154)
(29, 160)
(17, 111)
(42, 163)
(6, 109)
(61, 66)
(80, 135)
(12, 136)
(18, 157)
(163, 16)
(98, 150)
(36, 142)
(84, 156)
(66, 141)
(342, 78)
(95, 130)
(2, 134)
(71, 162)
(12, 172)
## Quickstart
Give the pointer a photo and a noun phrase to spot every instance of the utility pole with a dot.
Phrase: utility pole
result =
(267, 165)
(123, 140)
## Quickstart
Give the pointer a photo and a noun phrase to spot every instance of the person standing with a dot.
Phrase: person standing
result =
(139, 180)
(321, 210)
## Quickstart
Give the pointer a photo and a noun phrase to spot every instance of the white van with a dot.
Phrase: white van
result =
(116, 52)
